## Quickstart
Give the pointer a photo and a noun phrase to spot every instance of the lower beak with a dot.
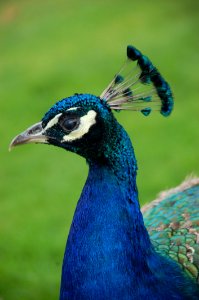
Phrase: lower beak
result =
(34, 134)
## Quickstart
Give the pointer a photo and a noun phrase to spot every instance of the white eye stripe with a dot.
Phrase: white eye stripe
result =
(53, 122)
(85, 124)
(73, 108)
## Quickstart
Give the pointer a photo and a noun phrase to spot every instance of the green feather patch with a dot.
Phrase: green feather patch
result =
(173, 226)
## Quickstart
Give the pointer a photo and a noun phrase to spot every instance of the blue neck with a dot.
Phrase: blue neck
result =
(107, 240)
(108, 253)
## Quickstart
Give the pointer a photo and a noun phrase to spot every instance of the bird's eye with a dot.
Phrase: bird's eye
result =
(70, 123)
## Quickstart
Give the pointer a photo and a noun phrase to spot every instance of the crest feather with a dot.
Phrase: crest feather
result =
(139, 88)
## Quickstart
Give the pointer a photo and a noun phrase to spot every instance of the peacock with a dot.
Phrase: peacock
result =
(115, 251)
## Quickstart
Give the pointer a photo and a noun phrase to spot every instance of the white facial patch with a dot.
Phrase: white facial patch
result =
(52, 122)
(85, 124)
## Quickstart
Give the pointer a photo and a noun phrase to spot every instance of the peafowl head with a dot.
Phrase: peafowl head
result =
(81, 123)
(85, 124)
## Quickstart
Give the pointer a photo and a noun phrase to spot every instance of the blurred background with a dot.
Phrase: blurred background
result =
(50, 50)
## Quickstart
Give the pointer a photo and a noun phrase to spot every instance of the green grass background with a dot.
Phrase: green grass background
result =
(49, 50)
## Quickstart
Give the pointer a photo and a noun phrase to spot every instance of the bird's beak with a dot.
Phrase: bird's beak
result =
(34, 134)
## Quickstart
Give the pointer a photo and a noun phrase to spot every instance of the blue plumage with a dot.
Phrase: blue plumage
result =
(109, 254)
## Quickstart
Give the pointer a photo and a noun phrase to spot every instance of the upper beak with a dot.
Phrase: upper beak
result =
(34, 134)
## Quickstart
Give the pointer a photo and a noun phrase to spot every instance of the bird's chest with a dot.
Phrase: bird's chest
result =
(98, 254)
(100, 260)
(95, 269)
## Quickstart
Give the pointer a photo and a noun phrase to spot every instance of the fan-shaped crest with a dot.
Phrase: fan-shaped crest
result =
(139, 88)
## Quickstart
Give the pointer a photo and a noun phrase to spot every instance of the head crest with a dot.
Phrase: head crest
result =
(139, 88)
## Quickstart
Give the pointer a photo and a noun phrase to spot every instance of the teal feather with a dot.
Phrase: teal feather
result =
(172, 222)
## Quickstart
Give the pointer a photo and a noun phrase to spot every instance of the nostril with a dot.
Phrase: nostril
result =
(35, 130)
(30, 131)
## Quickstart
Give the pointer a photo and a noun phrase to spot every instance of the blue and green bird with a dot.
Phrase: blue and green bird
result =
(112, 252)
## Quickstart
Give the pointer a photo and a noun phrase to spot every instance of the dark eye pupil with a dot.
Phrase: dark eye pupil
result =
(70, 124)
